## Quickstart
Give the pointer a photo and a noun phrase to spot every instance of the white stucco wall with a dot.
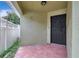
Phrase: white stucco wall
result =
(34, 28)
(69, 29)
(75, 29)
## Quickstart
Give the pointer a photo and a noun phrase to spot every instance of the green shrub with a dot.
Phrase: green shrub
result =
(12, 17)
(11, 49)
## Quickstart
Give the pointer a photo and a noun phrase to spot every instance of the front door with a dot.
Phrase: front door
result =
(58, 29)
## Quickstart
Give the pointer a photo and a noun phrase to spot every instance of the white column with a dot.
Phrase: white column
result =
(75, 29)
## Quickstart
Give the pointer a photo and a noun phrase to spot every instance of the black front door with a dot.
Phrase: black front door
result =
(58, 29)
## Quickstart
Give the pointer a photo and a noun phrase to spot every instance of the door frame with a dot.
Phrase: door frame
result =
(52, 13)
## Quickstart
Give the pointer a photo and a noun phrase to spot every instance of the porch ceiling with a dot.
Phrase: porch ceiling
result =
(36, 6)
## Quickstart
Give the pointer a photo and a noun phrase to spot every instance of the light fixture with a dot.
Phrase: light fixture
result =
(43, 3)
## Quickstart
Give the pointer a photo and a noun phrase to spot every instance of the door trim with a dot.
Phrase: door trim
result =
(52, 13)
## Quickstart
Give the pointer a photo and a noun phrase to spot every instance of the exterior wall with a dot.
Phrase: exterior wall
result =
(69, 29)
(34, 28)
(75, 29)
